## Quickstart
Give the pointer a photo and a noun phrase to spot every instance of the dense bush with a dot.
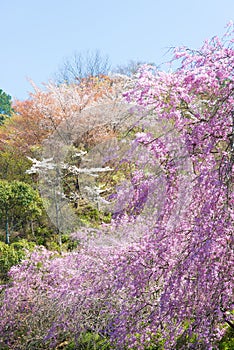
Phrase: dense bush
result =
(11, 255)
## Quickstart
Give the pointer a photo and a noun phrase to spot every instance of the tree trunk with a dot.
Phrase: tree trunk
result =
(7, 229)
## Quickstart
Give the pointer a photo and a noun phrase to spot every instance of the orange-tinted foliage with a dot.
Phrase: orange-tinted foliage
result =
(39, 116)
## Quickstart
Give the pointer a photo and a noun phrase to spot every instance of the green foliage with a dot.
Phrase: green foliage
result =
(17, 194)
(19, 203)
(13, 166)
(11, 255)
(5, 106)
(42, 235)
(89, 215)
(45, 235)
(90, 341)
(68, 244)
(227, 342)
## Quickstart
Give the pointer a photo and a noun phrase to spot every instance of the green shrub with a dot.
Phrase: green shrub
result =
(227, 342)
(11, 255)
(89, 341)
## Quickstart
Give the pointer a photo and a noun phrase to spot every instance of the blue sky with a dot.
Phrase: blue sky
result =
(38, 35)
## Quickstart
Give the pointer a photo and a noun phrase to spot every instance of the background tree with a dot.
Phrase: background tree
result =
(39, 116)
(5, 106)
(83, 65)
(13, 165)
(19, 203)
(130, 68)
